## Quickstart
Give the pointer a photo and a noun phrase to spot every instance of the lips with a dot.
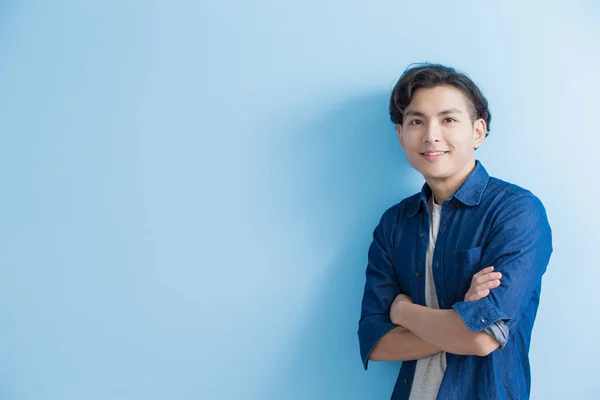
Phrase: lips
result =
(433, 156)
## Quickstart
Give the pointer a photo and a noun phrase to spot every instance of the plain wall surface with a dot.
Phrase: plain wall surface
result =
(189, 189)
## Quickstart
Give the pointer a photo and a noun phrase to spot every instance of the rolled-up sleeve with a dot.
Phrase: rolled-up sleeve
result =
(499, 331)
(381, 288)
(519, 246)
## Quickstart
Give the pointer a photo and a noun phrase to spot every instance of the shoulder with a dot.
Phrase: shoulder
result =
(508, 201)
(506, 194)
(392, 218)
(396, 215)
(400, 210)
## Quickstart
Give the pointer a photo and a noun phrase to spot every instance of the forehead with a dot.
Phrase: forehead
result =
(433, 100)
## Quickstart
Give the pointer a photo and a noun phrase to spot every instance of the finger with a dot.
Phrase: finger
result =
(486, 270)
(488, 277)
(488, 285)
(479, 295)
(482, 291)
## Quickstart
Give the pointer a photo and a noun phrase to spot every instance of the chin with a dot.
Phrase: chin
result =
(439, 176)
(435, 172)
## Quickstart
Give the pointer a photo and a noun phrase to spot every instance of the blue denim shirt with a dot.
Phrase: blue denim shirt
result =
(485, 222)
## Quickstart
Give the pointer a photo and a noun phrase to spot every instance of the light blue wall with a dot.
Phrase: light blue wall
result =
(189, 188)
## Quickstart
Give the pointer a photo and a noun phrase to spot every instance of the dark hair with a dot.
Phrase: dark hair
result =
(426, 75)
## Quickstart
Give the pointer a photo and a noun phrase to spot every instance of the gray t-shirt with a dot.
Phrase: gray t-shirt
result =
(430, 370)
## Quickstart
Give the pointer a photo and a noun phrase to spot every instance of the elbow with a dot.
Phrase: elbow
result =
(484, 344)
(486, 350)
(379, 353)
(374, 356)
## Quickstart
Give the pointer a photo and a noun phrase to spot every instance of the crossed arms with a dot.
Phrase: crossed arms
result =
(424, 331)
(393, 328)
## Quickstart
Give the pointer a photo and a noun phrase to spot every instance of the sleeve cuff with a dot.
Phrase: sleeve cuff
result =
(480, 314)
(499, 331)
(369, 334)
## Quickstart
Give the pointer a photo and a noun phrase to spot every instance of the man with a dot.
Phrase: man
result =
(454, 272)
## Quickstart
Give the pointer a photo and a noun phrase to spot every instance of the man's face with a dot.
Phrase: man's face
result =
(438, 135)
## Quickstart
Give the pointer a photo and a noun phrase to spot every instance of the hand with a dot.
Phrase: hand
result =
(401, 298)
(481, 284)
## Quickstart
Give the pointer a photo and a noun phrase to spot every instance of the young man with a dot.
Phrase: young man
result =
(454, 275)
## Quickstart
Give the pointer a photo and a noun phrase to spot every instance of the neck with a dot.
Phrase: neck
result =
(443, 188)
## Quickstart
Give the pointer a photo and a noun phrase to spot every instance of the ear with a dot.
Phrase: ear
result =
(399, 129)
(479, 132)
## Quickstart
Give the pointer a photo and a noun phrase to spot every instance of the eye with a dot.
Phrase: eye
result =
(449, 120)
(415, 122)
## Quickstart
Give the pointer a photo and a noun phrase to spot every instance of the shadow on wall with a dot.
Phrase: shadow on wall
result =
(347, 167)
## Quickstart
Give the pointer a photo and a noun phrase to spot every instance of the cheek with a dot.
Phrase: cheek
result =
(415, 132)
(410, 141)
(461, 144)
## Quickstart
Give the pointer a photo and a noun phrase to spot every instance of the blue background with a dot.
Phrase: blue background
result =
(189, 188)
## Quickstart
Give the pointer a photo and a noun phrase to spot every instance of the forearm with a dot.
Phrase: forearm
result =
(402, 345)
(444, 329)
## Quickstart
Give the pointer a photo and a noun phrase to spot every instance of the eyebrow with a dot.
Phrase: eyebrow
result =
(421, 114)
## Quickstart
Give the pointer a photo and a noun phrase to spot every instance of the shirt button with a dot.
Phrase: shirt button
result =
(422, 235)
(417, 274)
(483, 320)
(436, 264)
(406, 380)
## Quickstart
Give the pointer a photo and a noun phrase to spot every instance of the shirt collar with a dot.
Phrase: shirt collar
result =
(469, 193)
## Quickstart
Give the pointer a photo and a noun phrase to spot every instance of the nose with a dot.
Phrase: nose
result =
(432, 133)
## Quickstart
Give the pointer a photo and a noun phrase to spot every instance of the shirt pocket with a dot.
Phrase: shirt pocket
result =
(466, 264)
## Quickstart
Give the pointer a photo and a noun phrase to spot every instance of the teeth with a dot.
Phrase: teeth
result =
(437, 153)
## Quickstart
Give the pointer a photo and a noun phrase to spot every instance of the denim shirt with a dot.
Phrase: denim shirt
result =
(486, 222)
